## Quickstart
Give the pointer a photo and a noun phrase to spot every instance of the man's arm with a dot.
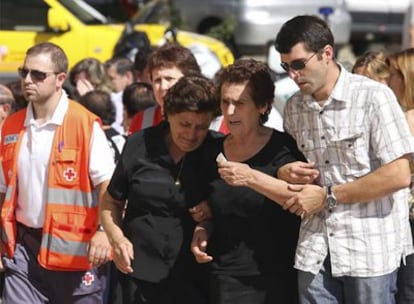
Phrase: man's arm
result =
(383, 181)
(99, 250)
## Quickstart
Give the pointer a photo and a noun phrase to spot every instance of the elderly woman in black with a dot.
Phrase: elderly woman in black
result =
(159, 177)
(252, 240)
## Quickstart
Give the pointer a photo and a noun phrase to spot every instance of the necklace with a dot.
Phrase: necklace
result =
(177, 179)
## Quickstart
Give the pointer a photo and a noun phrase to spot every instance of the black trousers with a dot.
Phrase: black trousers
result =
(405, 281)
(226, 289)
(176, 289)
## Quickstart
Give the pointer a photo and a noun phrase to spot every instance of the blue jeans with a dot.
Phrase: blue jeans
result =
(323, 288)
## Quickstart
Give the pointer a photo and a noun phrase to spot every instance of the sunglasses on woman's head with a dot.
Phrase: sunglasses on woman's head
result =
(34, 74)
(296, 65)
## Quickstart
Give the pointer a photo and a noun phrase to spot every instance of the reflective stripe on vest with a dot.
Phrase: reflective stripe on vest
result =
(66, 247)
(9, 193)
(144, 119)
(148, 118)
(71, 197)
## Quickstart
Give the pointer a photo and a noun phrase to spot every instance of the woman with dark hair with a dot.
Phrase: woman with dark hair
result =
(158, 173)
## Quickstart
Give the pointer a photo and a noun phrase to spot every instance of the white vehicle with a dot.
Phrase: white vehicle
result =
(377, 20)
(257, 21)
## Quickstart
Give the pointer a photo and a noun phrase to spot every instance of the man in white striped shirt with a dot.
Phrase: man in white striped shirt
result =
(355, 229)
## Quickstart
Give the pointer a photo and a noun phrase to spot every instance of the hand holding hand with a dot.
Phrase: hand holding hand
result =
(298, 172)
(310, 199)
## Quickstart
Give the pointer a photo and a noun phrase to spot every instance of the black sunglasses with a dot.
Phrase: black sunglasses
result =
(296, 65)
(34, 74)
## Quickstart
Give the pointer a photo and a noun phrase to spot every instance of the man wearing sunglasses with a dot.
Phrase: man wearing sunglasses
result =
(355, 228)
(54, 156)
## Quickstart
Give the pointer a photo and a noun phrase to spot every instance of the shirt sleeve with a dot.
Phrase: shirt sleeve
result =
(286, 151)
(101, 164)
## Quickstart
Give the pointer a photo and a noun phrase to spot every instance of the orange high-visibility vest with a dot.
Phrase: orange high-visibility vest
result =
(144, 119)
(71, 214)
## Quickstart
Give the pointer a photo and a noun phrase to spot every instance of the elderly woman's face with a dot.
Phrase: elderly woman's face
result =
(239, 110)
(188, 129)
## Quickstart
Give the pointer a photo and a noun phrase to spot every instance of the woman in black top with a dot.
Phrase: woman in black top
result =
(158, 174)
(252, 240)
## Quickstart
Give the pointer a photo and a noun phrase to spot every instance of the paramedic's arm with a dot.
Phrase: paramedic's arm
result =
(99, 247)
(101, 167)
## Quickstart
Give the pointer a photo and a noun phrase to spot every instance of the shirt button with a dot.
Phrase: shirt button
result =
(322, 137)
(302, 146)
(318, 262)
(331, 234)
(321, 112)
(327, 161)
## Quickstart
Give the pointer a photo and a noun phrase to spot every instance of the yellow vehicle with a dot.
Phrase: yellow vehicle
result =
(80, 30)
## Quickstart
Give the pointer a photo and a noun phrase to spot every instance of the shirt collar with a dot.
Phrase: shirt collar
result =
(341, 90)
(340, 93)
(58, 114)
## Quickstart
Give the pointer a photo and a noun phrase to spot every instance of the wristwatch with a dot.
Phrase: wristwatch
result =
(100, 228)
(330, 198)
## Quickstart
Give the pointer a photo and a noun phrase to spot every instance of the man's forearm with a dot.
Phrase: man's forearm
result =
(379, 183)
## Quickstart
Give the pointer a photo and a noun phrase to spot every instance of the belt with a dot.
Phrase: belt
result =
(35, 232)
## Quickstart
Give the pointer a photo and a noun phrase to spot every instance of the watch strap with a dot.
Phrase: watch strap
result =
(100, 228)
(330, 198)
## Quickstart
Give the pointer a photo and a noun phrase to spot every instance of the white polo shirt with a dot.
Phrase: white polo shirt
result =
(34, 158)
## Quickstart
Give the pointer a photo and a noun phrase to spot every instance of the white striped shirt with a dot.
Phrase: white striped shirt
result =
(359, 128)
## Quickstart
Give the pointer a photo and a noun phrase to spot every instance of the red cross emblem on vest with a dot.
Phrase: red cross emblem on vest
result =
(69, 174)
(88, 278)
